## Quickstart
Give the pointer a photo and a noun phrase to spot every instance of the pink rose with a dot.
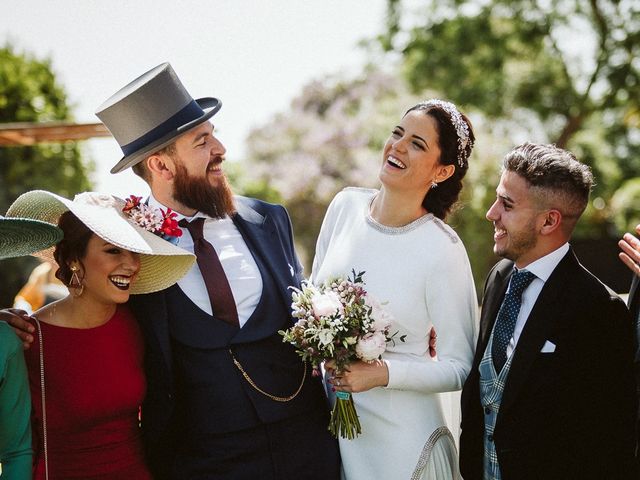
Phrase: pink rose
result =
(326, 304)
(371, 346)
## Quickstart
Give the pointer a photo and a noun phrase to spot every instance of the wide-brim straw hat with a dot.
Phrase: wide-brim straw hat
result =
(151, 112)
(24, 236)
(161, 263)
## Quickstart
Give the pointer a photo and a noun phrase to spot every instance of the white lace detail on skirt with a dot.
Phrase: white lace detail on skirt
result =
(428, 447)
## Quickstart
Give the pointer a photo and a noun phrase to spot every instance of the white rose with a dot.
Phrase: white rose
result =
(325, 337)
(381, 317)
(371, 346)
(326, 304)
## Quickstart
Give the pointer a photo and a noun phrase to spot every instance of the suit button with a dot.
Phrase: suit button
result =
(169, 396)
(490, 437)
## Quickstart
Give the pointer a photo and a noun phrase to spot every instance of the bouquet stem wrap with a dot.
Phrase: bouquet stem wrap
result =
(344, 419)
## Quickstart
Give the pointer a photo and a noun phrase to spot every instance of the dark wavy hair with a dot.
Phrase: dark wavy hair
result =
(441, 200)
(73, 245)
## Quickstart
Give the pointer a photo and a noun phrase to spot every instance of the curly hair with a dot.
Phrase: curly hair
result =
(73, 245)
(440, 201)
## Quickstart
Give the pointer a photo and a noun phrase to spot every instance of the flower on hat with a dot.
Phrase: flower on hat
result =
(163, 224)
(96, 199)
(131, 203)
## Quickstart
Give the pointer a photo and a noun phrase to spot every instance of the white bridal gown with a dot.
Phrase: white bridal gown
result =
(423, 272)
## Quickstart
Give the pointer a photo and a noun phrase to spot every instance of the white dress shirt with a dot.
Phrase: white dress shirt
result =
(237, 262)
(542, 269)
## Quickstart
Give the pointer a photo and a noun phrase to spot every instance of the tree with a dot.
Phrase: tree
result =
(29, 92)
(568, 66)
(565, 71)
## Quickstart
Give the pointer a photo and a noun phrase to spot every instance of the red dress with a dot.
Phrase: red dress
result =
(94, 386)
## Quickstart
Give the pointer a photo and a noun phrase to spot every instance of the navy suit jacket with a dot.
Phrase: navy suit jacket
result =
(266, 229)
(565, 414)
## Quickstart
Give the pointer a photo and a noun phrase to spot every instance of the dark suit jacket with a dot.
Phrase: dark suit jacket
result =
(267, 231)
(567, 414)
(634, 308)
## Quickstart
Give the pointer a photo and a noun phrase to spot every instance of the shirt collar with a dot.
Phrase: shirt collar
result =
(543, 267)
(154, 203)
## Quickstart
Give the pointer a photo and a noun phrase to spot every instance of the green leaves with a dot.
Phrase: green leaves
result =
(29, 92)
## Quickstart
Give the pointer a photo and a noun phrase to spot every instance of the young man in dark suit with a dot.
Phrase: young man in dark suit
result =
(551, 392)
(630, 256)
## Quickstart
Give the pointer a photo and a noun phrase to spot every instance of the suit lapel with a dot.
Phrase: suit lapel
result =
(495, 288)
(261, 236)
(536, 331)
(634, 307)
(491, 304)
(634, 297)
(151, 312)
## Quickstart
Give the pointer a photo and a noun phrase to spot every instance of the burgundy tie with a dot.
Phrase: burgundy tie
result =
(220, 294)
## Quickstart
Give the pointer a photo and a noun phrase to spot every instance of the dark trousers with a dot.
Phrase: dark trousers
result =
(295, 448)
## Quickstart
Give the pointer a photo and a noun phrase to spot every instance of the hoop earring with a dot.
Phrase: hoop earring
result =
(434, 184)
(75, 283)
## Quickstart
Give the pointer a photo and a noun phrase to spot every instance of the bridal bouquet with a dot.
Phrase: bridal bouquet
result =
(339, 321)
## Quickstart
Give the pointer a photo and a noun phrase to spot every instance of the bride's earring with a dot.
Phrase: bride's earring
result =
(434, 184)
(75, 282)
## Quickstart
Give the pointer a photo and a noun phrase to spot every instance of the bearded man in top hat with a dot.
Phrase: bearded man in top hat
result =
(226, 398)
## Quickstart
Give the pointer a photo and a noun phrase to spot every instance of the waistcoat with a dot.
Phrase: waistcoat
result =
(491, 390)
(212, 396)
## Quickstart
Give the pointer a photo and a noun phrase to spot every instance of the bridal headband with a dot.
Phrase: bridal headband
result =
(462, 129)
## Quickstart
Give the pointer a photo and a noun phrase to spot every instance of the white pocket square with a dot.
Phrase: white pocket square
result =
(548, 347)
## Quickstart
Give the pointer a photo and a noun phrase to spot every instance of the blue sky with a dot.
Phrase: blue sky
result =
(253, 55)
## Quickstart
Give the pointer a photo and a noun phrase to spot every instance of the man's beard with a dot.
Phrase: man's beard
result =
(520, 242)
(199, 194)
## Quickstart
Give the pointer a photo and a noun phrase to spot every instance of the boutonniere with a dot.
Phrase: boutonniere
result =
(157, 221)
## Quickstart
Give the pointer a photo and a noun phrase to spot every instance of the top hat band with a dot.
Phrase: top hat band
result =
(190, 112)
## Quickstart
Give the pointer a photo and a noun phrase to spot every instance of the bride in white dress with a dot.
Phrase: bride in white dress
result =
(416, 263)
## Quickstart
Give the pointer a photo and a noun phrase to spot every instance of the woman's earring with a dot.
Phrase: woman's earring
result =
(75, 282)
(434, 184)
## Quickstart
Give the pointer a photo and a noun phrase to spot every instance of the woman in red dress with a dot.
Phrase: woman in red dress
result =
(86, 363)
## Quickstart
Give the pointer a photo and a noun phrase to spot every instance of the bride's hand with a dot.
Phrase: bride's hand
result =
(359, 376)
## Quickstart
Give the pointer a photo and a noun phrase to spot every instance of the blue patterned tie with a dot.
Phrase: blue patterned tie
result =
(507, 315)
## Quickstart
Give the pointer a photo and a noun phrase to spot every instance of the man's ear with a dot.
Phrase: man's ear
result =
(160, 165)
(551, 221)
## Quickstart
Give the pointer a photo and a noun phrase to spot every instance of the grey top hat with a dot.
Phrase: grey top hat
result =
(149, 113)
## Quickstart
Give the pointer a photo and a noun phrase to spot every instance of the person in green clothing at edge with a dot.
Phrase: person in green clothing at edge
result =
(18, 237)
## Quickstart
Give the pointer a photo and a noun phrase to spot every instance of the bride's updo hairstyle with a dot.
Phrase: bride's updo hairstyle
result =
(456, 141)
